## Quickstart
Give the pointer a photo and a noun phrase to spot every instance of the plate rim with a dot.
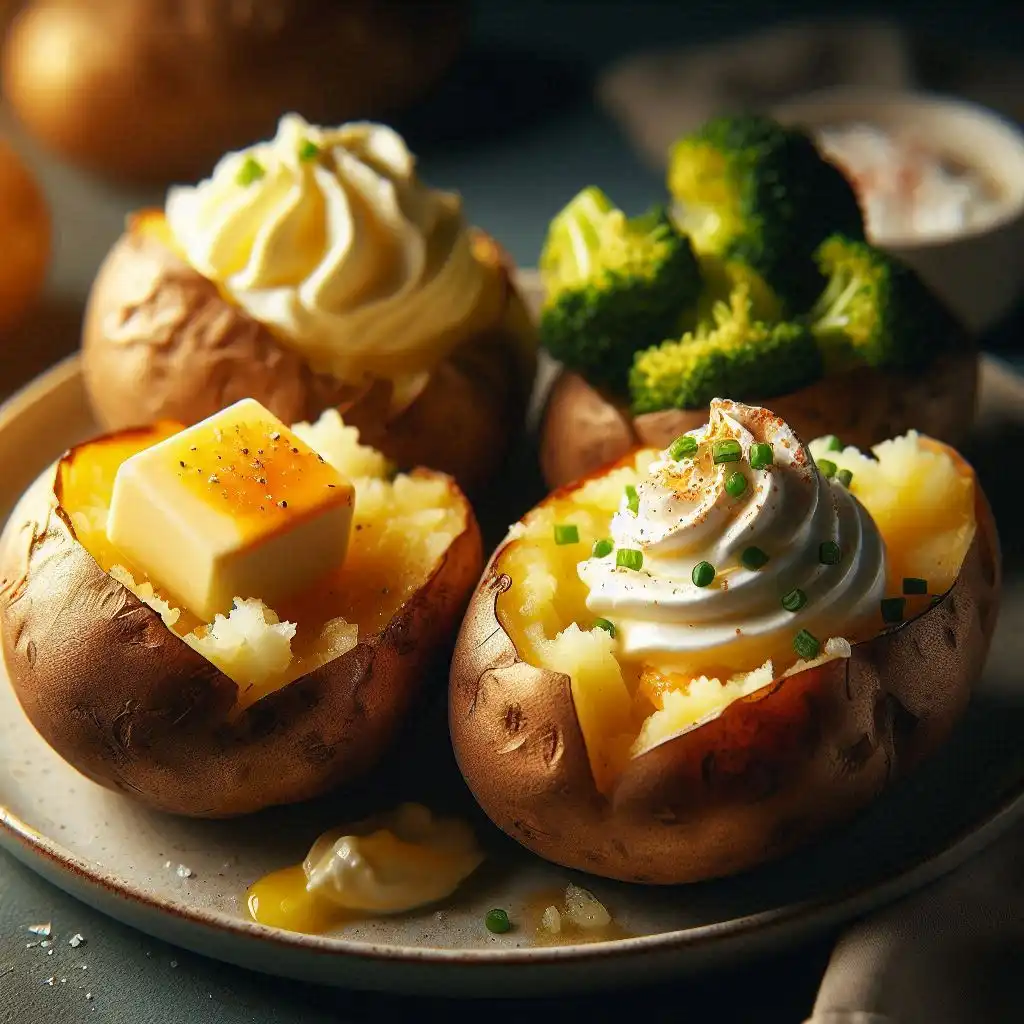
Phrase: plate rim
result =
(28, 845)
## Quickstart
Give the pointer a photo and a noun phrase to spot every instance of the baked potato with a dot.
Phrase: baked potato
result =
(578, 742)
(26, 232)
(156, 90)
(584, 428)
(162, 339)
(191, 718)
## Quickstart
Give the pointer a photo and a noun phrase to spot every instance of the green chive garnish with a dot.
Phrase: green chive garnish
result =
(794, 600)
(604, 624)
(309, 150)
(827, 468)
(566, 533)
(833, 444)
(829, 553)
(760, 455)
(632, 499)
(728, 450)
(914, 585)
(703, 574)
(602, 547)
(753, 558)
(683, 447)
(892, 609)
(250, 171)
(845, 477)
(736, 484)
(497, 921)
(629, 558)
(806, 645)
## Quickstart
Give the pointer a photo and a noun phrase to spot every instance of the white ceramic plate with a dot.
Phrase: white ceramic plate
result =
(124, 860)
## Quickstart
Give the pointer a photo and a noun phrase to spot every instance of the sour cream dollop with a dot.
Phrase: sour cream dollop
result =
(328, 237)
(685, 514)
(405, 859)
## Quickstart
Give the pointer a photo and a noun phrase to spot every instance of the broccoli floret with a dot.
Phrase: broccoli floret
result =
(734, 356)
(749, 189)
(721, 278)
(876, 310)
(614, 285)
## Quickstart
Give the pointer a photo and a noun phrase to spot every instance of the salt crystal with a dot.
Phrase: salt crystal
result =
(76, 940)
(49, 981)
(174, 963)
(184, 872)
(88, 995)
(45, 944)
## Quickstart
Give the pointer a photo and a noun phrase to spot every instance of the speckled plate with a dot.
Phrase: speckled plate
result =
(184, 881)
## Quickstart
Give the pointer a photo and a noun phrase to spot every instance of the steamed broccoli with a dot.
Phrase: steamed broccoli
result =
(752, 190)
(876, 310)
(614, 286)
(734, 355)
(720, 280)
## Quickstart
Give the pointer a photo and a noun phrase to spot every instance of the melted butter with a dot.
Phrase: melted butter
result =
(571, 934)
(391, 864)
(281, 900)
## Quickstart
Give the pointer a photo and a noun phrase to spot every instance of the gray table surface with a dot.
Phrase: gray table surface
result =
(546, 142)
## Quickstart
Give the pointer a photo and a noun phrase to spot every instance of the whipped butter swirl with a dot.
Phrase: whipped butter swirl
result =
(328, 237)
(685, 515)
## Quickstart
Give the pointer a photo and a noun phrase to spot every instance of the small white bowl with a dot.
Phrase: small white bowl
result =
(979, 271)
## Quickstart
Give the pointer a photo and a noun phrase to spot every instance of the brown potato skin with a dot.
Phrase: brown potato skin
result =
(156, 90)
(131, 706)
(159, 341)
(25, 234)
(771, 772)
(583, 429)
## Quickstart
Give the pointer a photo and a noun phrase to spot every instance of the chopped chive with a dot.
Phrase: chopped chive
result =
(760, 455)
(629, 558)
(829, 553)
(250, 171)
(736, 484)
(727, 450)
(604, 624)
(753, 558)
(833, 444)
(827, 468)
(602, 547)
(703, 574)
(914, 585)
(892, 609)
(309, 150)
(806, 645)
(845, 477)
(794, 600)
(632, 499)
(683, 447)
(566, 533)
(497, 921)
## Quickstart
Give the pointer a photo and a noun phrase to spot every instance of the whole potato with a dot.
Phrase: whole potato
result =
(25, 235)
(156, 90)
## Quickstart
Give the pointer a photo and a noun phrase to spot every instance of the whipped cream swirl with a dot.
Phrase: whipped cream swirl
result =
(686, 515)
(328, 237)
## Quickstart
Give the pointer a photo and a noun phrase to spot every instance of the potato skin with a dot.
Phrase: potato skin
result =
(160, 342)
(124, 102)
(131, 706)
(762, 778)
(584, 429)
(26, 231)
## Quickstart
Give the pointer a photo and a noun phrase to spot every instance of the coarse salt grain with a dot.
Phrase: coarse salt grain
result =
(184, 872)
(76, 940)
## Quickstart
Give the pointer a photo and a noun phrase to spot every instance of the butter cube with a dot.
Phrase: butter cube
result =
(235, 506)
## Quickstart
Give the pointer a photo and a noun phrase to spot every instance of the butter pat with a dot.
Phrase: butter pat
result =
(235, 506)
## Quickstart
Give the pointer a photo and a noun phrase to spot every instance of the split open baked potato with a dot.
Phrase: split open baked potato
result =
(214, 720)
(168, 332)
(596, 759)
